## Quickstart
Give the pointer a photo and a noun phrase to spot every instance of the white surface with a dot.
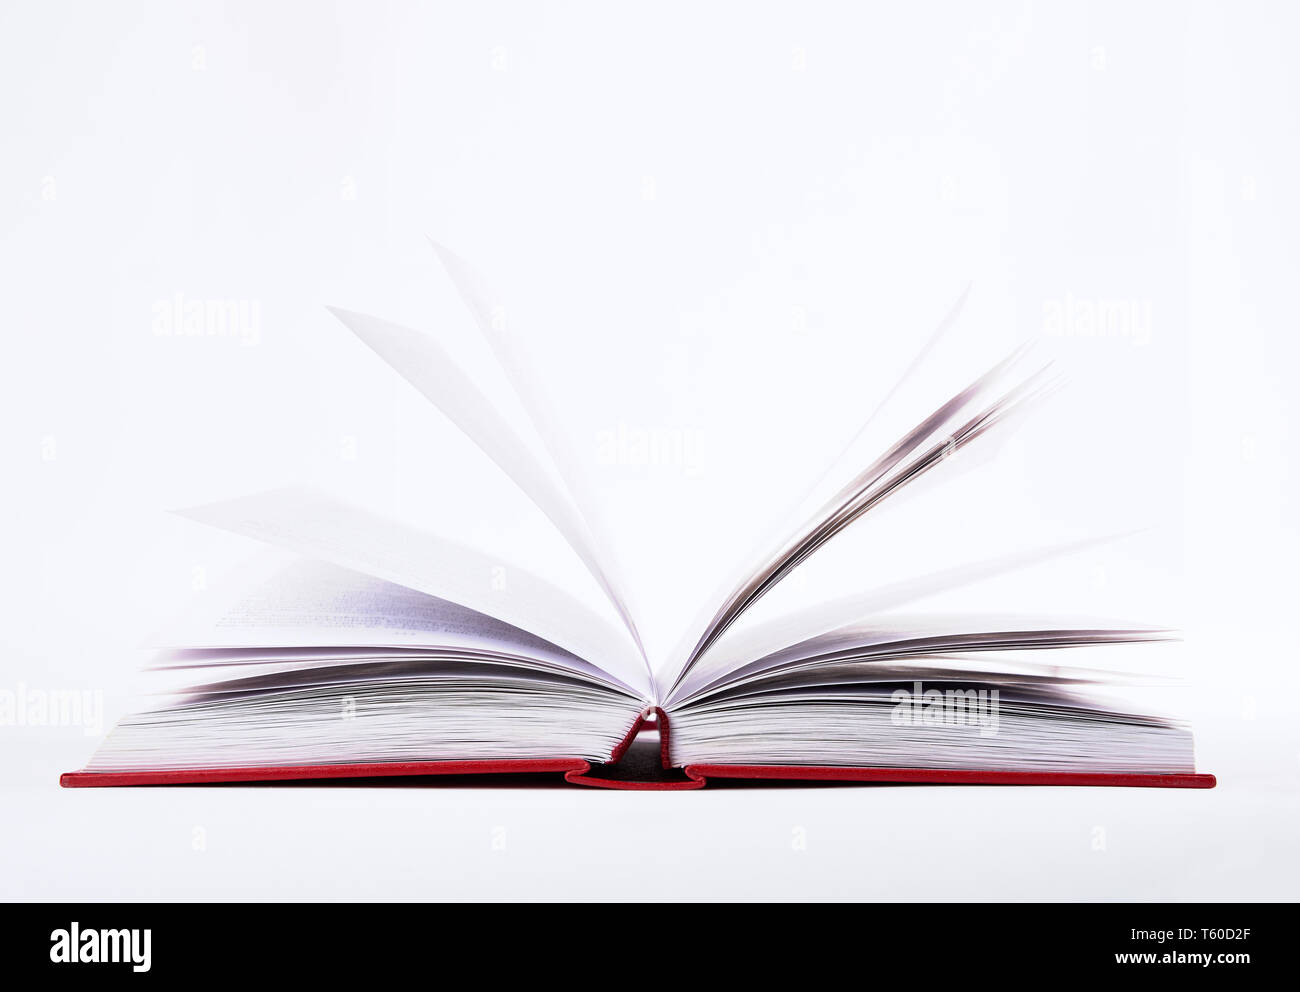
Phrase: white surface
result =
(724, 230)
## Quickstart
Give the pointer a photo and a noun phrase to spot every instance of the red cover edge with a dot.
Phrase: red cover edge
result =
(950, 776)
(282, 773)
(577, 778)
(575, 771)
(626, 742)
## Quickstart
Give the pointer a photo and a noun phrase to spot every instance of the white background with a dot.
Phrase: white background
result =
(728, 225)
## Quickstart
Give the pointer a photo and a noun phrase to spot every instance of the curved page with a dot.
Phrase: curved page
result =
(314, 525)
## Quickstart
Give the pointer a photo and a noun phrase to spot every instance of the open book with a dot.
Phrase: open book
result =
(379, 650)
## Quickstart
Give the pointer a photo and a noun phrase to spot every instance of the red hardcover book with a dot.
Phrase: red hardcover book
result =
(652, 772)
(384, 651)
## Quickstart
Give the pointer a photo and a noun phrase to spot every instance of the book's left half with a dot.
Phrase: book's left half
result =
(319, 671)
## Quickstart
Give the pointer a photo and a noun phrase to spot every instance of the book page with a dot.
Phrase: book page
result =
(929, 635)
(307, 612)
(744, 643)
(536, 405)
(944, 431)
(314, 525)
(427, 367)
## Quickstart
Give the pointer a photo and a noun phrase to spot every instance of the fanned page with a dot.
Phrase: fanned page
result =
(764, 639)
(306, 612)
(313, 525)
(922, 636)
(417, 357)
(536, 405)
(965, 417)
